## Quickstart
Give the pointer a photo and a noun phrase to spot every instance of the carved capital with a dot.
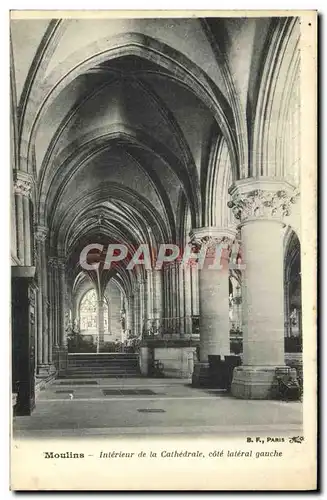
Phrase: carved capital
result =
(53, 261)
(23, 183)
(41, 232)
(261, 199)
(61, 263)
(211, 237)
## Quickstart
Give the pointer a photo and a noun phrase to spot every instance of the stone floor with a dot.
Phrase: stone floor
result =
(150, 406)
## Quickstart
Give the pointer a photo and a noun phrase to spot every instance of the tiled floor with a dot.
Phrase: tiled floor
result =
(151, 406)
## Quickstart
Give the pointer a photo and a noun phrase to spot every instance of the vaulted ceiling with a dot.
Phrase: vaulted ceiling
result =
(131, 122)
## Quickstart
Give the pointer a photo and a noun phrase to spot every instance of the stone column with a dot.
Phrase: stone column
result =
(51, 318)
(57, 303)
(100, 325)
(109, 315)
(167, 297)
(213, 297)
(62, 303)
(42, 330)
(141, 306)
(260, 205)
(195, 290)
(181, 298)
(136, 310)
(23, 183)
(54, 309)
(176, 297)
(149, 295)
(20, 226)
(158, 311)
(157, 293)
(130, 313)
(188, 299)
(39, 334)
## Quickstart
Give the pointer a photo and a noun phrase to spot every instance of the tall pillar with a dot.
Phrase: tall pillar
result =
(260, 205)
(213, 297)
(39, 334)
(23, 183)
(141, 306)
(19, 225)
(158, 311)
(27, 232)
(42, 330)
(195, 290)
(62, 303)
(109, 315)
(57, 303)
(188, 299)
(50, 309)
(149, 296)
(176, 297)
(167, 297)
(181, 297)
(53, 312)
(100, 325)
(130, 313)
(136, 311)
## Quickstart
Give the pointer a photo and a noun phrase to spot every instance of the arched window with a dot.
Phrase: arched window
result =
(89, 311)
(292, 291)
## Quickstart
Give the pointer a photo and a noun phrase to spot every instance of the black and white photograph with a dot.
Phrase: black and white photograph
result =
(158, 191)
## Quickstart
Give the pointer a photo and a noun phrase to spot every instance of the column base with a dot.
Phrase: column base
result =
(62, 361)
(44, 370)
(201, 376)
(45, 375)
(144, 360)
(259, 382)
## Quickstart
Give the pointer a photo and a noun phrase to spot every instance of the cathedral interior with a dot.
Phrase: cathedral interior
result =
(181, 131)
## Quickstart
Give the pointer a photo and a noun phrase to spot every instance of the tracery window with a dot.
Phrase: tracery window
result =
(89, 311)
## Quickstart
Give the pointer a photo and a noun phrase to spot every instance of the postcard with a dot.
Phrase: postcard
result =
(163, 250)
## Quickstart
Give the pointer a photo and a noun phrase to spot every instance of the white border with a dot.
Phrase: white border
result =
(5, 157)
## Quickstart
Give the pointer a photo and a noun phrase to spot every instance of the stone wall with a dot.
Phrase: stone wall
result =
(177, 361)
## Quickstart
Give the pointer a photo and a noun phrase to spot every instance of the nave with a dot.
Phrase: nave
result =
(140, 133)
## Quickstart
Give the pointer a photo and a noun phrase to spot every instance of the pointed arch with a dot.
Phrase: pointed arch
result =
(279, 65)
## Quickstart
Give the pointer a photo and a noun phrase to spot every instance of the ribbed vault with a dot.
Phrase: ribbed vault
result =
(134, 131)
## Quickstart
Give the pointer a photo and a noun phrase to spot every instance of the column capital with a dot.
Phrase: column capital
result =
(212, 236)
(41, 232)
(262, 199)
(53, 261)
(61, 263)
(23, 183)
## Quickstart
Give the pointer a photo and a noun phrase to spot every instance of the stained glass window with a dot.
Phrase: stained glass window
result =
(89, 312)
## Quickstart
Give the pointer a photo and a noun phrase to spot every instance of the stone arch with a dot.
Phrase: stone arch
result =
(99, 140)
(219, 176)
(118, 132)
(116, 191)
(280, 61)
(177, 66)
